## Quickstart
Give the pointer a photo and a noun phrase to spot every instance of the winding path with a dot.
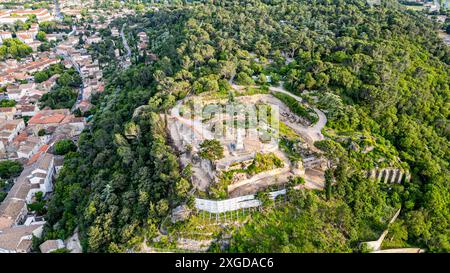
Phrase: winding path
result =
(315, 131)
(310, 133)
(58, 10)
(195, 124)
(125, 44)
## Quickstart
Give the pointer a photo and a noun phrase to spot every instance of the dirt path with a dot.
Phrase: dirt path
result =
(314, 132)
(196, 125)
(127, 61)
(310, 133)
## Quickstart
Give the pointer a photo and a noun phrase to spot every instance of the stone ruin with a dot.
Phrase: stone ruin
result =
(298, 169)
(313, 162)
(390, 175)
(295, 119)
(238, 177)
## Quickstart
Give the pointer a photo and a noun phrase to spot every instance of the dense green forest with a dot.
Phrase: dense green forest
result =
(379, 71)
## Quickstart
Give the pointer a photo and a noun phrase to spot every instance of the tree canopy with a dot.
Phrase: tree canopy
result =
(10, 168)
(380, 72)
(14, 48)
(211, 149)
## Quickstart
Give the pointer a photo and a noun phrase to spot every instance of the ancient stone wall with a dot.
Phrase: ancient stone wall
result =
(389, 175)
(253, 179)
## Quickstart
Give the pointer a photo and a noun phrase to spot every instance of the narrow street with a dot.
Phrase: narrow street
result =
(58, 10)
(127, 61)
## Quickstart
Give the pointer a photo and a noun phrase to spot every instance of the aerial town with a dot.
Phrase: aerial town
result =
(29, 131)
(203, 126)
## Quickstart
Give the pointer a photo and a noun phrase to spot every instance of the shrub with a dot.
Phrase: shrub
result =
(244, 79)
(211, 149)
(297, 108)
(62, 147)
(10, 168)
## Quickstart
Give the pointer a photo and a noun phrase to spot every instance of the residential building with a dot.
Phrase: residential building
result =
(51, 245)
(61, 120)
(9, 129)
(19, 239)
(29, 147)
(36, 177)
(5, 35)
(7, 113)
(27, 109)
(42, 175)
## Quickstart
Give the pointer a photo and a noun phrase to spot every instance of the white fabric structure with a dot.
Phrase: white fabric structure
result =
(241, 202)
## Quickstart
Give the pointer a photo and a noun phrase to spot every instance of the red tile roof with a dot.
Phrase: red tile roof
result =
(44, 148)
(34, 158)
(39, 118)
(21, 137)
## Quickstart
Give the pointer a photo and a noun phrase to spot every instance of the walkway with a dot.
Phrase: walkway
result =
(58, 10)
(310, 133)
(315, 131)
(196, 125)
(127, 61)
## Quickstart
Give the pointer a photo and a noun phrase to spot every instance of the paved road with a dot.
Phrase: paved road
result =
(58, 10)
(313, 133)
(437, 8)
(80, 93)
(75, 65)
(445, 37)
(74, 28)
(127, 61)
(316, 130)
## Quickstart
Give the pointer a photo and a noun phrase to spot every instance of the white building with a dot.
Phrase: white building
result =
(29, 147)
(42, 175)
(11, 128)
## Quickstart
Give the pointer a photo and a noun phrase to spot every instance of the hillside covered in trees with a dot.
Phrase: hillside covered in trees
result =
(380, 72)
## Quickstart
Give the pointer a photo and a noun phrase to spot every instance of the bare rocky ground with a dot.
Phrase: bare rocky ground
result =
(73, 243)
(198, 131)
